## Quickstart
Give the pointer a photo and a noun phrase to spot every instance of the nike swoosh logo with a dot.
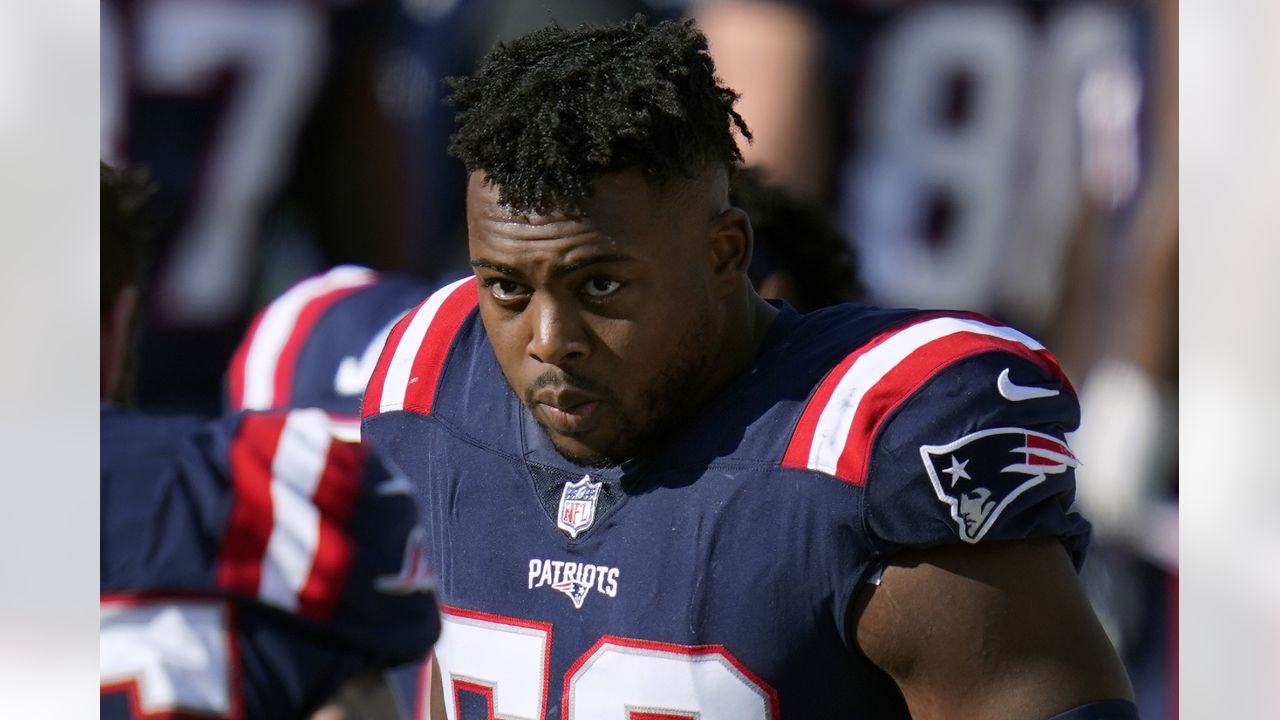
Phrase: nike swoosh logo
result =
(354, 373)
(1016, 393)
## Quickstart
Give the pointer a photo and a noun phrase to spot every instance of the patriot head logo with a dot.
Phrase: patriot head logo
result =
(578, 506)
(575, 589)
(415, 575)
(982, 473)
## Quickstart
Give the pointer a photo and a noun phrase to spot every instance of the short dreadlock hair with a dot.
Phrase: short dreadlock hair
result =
(126, 229)
(549, 113)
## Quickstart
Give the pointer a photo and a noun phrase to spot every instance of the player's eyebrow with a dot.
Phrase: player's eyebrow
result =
(479, 263)
(556, 271)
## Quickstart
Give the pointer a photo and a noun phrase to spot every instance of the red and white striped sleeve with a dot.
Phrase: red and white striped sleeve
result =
(261, 376)
(296, 479)
(840, 422)
(408, 371)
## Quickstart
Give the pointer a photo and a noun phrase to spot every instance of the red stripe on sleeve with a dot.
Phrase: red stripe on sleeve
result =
(429, 362)
(249, 525)
(373, 393)
(302, 326)
(797, 454)
(909, 376)
(336, 496)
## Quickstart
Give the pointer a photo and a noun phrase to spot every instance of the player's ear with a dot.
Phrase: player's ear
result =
(730, 243)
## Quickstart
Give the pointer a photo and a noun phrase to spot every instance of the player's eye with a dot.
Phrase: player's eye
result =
(503, 289)
(600, 287)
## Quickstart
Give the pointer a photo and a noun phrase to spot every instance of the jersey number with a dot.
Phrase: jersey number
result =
(274, 53)
(507, 661)
(172, 657)
(984, 131)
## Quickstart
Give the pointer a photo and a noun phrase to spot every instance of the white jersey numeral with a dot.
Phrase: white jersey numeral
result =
(507, 661)
(985, 132)
(275, 53)
(172, 655)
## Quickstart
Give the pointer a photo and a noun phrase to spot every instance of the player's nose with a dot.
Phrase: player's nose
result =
(556, 334)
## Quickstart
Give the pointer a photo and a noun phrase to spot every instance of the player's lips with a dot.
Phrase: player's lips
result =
(568, 413)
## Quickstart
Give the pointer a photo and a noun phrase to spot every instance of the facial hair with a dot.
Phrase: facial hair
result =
(674, 394)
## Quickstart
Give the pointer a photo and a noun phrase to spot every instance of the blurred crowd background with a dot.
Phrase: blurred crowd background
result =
(1014, 157)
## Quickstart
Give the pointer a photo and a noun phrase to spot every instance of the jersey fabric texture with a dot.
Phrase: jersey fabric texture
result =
(250, 564)
(722, 564)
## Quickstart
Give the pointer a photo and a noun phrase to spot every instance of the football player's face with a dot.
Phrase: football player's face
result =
(605, 325)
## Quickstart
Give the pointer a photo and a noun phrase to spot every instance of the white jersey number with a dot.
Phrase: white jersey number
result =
(275, 53)
(507, 661)
(981, 133)
(172, 656)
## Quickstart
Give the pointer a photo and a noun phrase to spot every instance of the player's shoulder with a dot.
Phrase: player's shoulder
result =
(866, 365)
(442, 330)
(315, 344)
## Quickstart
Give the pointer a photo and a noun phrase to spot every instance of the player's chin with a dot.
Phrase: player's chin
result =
(594, 448)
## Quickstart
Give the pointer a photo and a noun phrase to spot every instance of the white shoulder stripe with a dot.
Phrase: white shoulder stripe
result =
(832, 432)
(299, 463)
(396, 385)
(277, 326)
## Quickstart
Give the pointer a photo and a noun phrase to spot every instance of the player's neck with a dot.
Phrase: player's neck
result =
(745, 330)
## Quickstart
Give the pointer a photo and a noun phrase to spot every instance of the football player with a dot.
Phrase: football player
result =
(650, 493)
(249, 565)
(315, 346)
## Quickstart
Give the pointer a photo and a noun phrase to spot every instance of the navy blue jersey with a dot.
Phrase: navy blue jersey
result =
(316, 344)
(251, 564)
(712, 577)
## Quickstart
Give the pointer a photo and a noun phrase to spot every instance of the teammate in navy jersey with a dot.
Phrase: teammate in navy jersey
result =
(650, 494)
(250, 565)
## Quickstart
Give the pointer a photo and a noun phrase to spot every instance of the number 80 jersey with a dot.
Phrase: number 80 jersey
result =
(713, 577)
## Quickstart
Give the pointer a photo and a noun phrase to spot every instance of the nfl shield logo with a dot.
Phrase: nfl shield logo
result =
(578, 506)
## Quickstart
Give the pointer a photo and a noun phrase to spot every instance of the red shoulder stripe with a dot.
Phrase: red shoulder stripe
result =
(409, 369)
(840, 422)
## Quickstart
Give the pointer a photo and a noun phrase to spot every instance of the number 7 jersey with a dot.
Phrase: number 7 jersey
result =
(713, 577)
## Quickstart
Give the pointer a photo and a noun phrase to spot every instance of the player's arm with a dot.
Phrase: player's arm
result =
(968, 494)
(999, 630)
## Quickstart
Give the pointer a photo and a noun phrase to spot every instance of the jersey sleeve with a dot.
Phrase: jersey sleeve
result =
(316, 344)
(977, 453)
(306, 548)
(955, 427)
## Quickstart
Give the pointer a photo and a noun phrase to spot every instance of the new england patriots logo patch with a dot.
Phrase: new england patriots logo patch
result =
(578, 506)
(982, 473)
(575, 589)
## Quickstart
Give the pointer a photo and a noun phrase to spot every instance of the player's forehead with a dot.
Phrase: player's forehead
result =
(622, 220)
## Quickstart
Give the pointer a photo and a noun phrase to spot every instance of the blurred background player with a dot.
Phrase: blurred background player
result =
(252, 565)
(285, 137)
(1017, 158)
(315, 346)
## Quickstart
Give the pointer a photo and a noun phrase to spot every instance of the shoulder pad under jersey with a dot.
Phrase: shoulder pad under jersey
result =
(316, 344)
(955, 425)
